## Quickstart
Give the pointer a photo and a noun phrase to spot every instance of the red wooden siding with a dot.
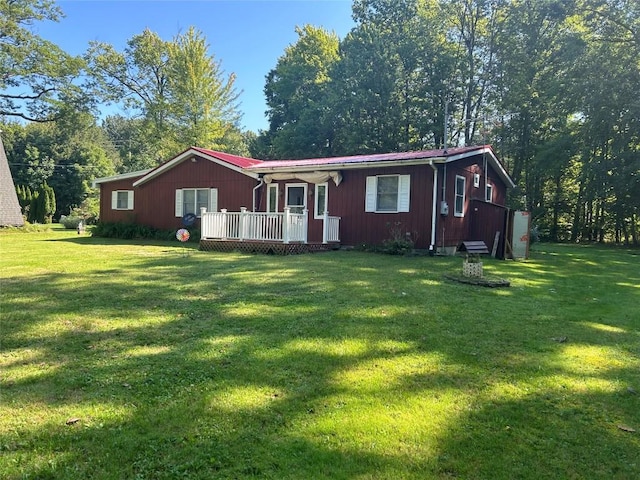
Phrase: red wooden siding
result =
(452, 230)
(487, 219)
(154, 201)
(107, 214)
(347, 201)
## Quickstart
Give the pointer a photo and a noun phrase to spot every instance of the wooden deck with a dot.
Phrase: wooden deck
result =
(269, 248)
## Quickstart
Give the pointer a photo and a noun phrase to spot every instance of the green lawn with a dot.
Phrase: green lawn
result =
(168, 362)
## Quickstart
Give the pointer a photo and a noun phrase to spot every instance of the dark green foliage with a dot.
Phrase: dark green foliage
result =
(128, 231)
(551, 85)
(36, 209)
(399, 241)
(42, 205)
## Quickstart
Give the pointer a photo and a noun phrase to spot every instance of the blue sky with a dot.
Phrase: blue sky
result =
(247, 36)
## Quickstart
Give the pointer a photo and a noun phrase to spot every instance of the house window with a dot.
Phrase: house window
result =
(489, 193)
(320, 200)
(191, 200)
(387, 194)
(122, 200)
(476, 180)
(272, 197)
(297, 197)
(460, 196)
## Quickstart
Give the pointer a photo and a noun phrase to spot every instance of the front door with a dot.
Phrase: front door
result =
(296, 196)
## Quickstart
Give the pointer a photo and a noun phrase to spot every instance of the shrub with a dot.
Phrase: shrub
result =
(400, 243)
(128, 231)
(70, 222)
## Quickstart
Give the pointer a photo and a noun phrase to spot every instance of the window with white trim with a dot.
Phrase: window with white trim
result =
(122, 200)
(461, 184)
(296, 197)
(387, 193)
(272, 197)
(320, 202)
(476, 180)
(488, 193)
(191, 200)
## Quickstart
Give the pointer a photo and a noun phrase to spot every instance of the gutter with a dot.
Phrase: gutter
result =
(434, 209)
(255, 189)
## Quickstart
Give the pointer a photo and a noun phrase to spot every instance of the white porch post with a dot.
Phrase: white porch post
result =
(241, 226)
(305, 225)
(325, 226)
(204, 223)
(223, 223)
(285, 224)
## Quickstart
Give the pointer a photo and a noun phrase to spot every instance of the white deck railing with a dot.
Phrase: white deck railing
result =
(330, 229)
(282, 227)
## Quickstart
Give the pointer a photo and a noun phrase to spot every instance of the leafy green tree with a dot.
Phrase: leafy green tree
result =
(67, 155)
(609, 183)
(535, 55)
(474, 28)
(48, 202)
(137, 78)
(203, 103)
(301, 123)
(37, 78)
(178, 91)
(127, 135)
(395, 77)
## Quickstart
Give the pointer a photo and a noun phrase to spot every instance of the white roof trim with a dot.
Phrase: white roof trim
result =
(121, 176)
(494, 162)
(186, 155)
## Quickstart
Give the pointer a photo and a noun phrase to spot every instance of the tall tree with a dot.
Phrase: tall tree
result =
(203, 101)
(535, 53)
(298, 96)
(474, 30)
(609, 199)
(37, 78)
(394, 78)
(177, 90)
(138, 79)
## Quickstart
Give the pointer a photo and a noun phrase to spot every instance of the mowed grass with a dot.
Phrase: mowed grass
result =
(135, 360)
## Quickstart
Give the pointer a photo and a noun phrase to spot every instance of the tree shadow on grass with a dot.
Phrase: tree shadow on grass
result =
(208, 368)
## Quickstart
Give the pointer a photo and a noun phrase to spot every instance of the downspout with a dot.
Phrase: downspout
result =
(254, 193)
(434, 209)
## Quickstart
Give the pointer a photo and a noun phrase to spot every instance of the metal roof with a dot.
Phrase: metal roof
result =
(368, 158)
(242, 162)
(254, 167)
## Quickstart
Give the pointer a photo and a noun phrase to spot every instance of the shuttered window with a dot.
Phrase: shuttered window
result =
(122, 200)
(388, 193)
(191, 200)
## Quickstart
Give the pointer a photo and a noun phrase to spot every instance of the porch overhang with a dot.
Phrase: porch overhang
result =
(294, 167)
(309, 177)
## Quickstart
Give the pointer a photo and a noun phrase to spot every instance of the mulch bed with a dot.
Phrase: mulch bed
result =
(481, 281)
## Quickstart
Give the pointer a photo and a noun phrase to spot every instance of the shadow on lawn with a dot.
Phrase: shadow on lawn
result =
(234, 374)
